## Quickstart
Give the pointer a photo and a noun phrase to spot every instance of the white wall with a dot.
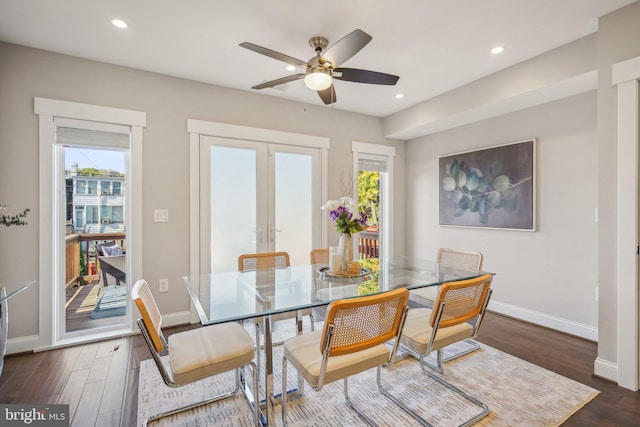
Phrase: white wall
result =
(618, 36)
(548, 276)
(26, 73)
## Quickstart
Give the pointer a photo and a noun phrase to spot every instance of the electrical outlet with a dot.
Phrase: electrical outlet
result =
(163, 285)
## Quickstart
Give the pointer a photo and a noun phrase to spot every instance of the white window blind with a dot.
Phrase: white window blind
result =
(372, 162)
(91, 134)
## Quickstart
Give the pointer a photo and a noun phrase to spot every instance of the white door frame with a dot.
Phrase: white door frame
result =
(48, 270)
(198, 128)
(389, 152)
(626, 75)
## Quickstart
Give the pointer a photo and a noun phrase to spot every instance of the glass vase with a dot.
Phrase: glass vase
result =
(345, 247)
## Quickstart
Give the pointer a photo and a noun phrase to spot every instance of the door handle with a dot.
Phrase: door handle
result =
(272, 233)
(258, 232)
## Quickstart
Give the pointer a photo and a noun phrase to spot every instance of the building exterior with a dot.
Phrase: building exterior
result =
(95, 203)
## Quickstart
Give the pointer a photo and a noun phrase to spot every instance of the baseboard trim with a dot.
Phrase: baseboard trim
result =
(177, 318)
(605, 369)
(22, 344)
(543, 319)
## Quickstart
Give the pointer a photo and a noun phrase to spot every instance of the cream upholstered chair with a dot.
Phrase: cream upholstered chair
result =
(264, 261)
(463, 260)
(194, 354)
(320, 256)
(451, 258)
(426, 330)
(352, 340)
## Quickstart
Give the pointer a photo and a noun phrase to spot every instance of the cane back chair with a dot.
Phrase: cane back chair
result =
(352, 341)
(195, 354)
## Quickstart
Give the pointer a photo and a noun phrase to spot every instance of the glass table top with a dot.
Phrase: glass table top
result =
(229, 296)
(7, 290)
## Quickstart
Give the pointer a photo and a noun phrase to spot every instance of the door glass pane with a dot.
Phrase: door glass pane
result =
(369, 200)
(293, 231)
(233, 206)
(95, 282)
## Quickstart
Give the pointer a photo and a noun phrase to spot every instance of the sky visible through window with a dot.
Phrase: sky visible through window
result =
(94, 158)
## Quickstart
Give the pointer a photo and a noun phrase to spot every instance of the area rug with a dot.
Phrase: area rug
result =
(112, 303)
(517, 392)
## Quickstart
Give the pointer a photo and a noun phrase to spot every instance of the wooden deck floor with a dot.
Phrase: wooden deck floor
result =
(81, 300)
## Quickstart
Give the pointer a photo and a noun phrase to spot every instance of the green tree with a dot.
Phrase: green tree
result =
(88, 171)
(369, 195)
(372, 284)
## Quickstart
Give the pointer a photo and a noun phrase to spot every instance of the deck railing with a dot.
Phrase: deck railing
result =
(369, 243)
(74, 242)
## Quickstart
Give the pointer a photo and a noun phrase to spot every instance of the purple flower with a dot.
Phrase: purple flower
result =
(363, 219)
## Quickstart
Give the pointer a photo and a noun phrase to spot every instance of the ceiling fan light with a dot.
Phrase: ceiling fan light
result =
(318, 80)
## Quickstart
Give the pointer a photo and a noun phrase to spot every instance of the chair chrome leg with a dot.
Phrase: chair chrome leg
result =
(284, 394)
(485, 409)
(206, 402)
(426, 365)
(351, 405)
(398, 402)
(258, 351)
(473, 347)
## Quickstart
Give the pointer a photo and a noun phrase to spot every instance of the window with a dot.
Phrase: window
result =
(116, 188)
(81, 186)
(373, 170)
(92, 187)
(91, 214)
(111, 214)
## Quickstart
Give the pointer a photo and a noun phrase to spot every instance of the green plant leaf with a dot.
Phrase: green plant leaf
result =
(474, 205)
(461, 178)
(494, 199)
(472, 181)
(501, 183)
(448, 183)
(464, 203)
(495, 168)
(457, 195)
(455, 167)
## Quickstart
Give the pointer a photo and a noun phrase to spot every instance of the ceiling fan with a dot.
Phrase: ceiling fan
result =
(325, 66)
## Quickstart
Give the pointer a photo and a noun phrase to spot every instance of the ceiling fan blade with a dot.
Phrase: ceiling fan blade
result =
(365, 76)
(279, 81)
(328, 95)
(346, 47)
(273, 54)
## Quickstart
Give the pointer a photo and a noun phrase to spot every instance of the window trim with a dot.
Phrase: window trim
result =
(364, 149)
(48, 110)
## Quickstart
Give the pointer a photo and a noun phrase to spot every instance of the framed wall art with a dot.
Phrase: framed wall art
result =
(489, 188)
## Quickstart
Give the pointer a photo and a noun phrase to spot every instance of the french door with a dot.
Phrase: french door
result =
(256, 197)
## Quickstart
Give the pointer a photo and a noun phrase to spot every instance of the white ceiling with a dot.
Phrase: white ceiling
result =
(433, 45)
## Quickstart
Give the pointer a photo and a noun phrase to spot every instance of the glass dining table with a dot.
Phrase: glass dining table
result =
(236, 296)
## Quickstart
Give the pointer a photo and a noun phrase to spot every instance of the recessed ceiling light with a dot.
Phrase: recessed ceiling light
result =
(290, 67)
(399, 96)
(119, 23)
(498, 49)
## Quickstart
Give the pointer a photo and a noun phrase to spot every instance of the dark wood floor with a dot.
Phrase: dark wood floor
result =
(100, 381)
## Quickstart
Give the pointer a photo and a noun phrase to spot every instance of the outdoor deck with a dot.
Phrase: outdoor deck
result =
(81, 301)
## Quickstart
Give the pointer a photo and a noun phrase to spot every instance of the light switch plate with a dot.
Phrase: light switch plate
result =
(161, 215)
(163, 285)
